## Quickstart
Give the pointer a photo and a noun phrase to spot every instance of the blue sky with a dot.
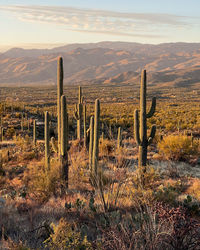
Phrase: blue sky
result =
(50, 22)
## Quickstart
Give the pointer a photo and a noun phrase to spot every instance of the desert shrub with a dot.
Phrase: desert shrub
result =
(106, 146)
(26, 156)
(153, 227)
(10, 132)
(67, 236)
(194, 189)
(177, 147)
(43, 184)
(168, 194)
(184, 232)
(79, 166)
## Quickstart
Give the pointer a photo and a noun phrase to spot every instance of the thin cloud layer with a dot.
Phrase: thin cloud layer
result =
(100, 21)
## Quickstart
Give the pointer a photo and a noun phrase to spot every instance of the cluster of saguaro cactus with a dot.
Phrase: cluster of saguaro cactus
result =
(78, 113)
(94, 139)
(140, 124)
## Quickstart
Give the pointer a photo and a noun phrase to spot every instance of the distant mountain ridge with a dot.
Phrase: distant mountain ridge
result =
(106, 62)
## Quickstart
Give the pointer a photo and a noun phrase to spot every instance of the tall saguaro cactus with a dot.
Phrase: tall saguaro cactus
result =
(46, 135)
(91, 130)
(95, 153)
(34, 132)
(140, 124)
(78, 113)
(60, 76)
(119, 138)
(64, 139)
(84, 125)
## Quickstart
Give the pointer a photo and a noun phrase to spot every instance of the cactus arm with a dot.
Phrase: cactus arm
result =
(54, 146)
(152, 109)
(136, 127)
(152, 134)
(76, 112)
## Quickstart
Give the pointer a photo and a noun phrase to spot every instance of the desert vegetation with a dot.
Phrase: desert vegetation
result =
(104, 172)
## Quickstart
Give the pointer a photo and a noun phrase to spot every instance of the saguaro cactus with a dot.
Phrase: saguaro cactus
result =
(46, 135)
(59, 94)
(2, 134)
(95, 153)
(34, 132)
(84, 125)
(91, 130)
(140, 126)
(78, 113)
(64, 139)
(119, 138)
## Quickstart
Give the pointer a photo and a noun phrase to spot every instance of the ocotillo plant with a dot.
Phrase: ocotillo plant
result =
(64, 139)
(34, 132)
(91, 130)
(140, 125)
(78, 113)
(119, 138)
(59, 94)
(46, 135)
(95, 154)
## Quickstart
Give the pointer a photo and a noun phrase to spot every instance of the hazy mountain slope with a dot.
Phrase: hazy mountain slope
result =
(102, 61)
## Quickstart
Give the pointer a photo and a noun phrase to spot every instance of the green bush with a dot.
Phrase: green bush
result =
(178, 147)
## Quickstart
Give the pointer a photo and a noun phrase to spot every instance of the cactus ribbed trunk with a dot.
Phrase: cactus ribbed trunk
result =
(46, 134)
(91, 141)
(64, 140)
(96, 137)
(59, 94)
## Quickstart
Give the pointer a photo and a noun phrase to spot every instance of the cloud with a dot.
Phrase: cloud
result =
(100, 21)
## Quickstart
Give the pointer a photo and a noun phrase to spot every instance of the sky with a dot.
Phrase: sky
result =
(50, 23)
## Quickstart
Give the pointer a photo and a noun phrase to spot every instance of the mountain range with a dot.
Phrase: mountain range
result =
(170, 64)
